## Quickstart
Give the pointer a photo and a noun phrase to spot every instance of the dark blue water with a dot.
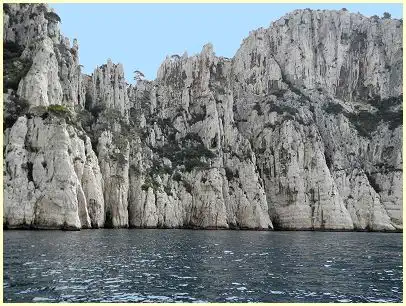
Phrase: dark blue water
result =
(201, 266)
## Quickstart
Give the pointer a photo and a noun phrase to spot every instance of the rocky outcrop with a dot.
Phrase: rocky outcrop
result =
(323, 84)
(54, 74)
(108, 88)
(44, 165)
(302, 129)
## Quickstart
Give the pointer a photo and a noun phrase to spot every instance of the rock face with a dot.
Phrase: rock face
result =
(301, 129)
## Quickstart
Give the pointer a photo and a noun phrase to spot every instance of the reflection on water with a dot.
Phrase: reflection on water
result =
(201, 266)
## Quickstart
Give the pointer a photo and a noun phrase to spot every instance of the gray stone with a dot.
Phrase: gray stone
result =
(301, 129)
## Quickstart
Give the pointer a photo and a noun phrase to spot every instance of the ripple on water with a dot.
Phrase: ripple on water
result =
(276, 292)
(42, 299)
(202, 266)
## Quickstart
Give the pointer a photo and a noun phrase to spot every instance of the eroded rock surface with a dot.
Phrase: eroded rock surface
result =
(301, 129)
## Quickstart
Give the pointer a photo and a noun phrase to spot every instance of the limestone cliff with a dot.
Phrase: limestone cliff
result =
(301, 129)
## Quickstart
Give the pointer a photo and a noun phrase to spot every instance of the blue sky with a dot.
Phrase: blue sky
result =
(140, 36)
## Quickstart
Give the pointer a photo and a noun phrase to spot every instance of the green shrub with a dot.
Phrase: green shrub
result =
(177, 177)
(51, 16)
(189, 154)
(13, 109)
(281, 109)
(109, 114)
(279, 93)
(14, 72)
(257, 108)
(196, 118)
(120, 141)
(358, 41)
(159, 169)
(12, 50)
(85, 119)
(14, 67)
(42, 8)
(59, 111)
(97, 109)
(168, 190)
(366, 122)
(150, 182)
(386, 15)
(192, 163)
(57, 108)
(384, 104)
(164, 123)
(119, 157)
(333, 108)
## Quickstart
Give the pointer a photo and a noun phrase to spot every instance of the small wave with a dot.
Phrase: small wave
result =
(183, 277)
(232, 298)
(150, 274)
(158, 297)
(374, 300)
(28, 263)
(276, 292)
(344, 300)
(42, 299)
(68, 296)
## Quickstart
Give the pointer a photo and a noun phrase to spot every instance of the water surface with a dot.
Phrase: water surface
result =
(201, 266)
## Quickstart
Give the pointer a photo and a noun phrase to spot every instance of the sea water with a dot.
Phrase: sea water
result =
(159, 265)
